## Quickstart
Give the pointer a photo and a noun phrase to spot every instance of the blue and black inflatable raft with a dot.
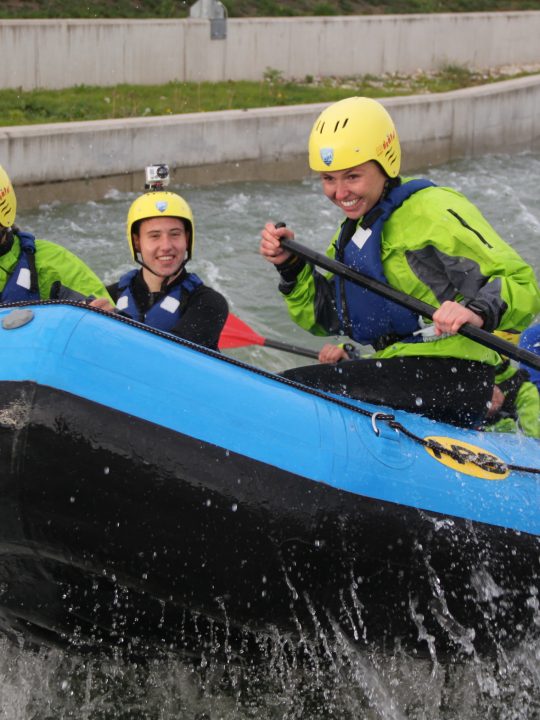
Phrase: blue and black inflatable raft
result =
(151, 490)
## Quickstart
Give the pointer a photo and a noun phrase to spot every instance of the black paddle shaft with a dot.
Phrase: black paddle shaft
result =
(287, 347)
(418, 306)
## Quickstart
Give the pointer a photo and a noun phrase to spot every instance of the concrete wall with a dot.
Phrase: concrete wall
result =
(63, 53)
(268, 143)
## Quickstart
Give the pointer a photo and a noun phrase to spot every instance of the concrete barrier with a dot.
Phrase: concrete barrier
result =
(63, 53)
(88, 158)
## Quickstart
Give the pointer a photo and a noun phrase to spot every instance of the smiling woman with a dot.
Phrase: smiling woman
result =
(355, 190)
(427, 242)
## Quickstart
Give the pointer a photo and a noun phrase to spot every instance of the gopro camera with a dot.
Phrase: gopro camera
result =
(156, 177)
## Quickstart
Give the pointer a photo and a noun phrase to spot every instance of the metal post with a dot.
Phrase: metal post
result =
(216, 12)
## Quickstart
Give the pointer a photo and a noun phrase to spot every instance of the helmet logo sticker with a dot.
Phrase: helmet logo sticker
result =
(161, 205)
(327, 155)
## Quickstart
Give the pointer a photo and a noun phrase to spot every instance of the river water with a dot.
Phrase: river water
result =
(344, 682)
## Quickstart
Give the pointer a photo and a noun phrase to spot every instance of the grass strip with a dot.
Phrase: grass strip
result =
(18, 107)
(135, 9)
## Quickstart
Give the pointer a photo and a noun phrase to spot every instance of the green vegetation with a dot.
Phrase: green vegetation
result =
(247, 8)
(122, 101)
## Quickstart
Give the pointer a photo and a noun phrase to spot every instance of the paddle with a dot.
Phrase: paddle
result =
(418, 306)
(237, 334)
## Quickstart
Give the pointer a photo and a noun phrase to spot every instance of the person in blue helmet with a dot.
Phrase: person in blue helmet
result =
(530, 340)
(515, 405)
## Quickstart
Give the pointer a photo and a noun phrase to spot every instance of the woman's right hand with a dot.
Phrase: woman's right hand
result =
(270, 247)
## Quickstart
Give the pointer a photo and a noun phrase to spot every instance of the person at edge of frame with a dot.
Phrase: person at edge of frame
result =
(34, 270)
(428, 242)
(515, 405)
(530, 340)
(162, 293)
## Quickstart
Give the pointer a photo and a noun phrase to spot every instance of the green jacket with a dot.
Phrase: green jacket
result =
(521, 409)
(55, 264)
(437, 246)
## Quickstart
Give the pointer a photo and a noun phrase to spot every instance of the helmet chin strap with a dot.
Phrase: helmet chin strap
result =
(167, 278)
(389, 184)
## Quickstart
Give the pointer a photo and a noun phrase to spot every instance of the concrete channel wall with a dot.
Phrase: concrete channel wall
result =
(64, 53)
(268, 143)
(85, 159)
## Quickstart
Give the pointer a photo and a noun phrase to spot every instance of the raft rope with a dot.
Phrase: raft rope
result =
(485, 461)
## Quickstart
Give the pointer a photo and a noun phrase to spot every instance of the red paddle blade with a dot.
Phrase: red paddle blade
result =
(236, 333)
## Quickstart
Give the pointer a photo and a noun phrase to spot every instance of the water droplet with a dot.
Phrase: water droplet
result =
(234, 507)
(106, 470)
(419, 401)
(72, 499)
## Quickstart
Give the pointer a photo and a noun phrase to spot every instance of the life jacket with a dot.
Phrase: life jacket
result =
(365, 316)
(22, 283)
(164, 314)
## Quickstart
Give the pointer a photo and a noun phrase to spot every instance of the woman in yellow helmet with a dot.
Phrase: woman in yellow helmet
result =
(38, 269)
(161, 236)
(426, 241)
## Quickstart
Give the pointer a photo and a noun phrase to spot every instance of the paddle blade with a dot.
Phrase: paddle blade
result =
(236, 333)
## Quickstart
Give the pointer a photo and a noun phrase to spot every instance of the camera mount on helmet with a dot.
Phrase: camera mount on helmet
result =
(156, 176)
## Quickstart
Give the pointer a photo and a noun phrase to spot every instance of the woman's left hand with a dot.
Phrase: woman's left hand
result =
(451, 316)
(332, 354)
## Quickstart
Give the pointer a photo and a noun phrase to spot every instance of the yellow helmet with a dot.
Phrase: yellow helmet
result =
(8, 201)
(159, 204)
(351, 132)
